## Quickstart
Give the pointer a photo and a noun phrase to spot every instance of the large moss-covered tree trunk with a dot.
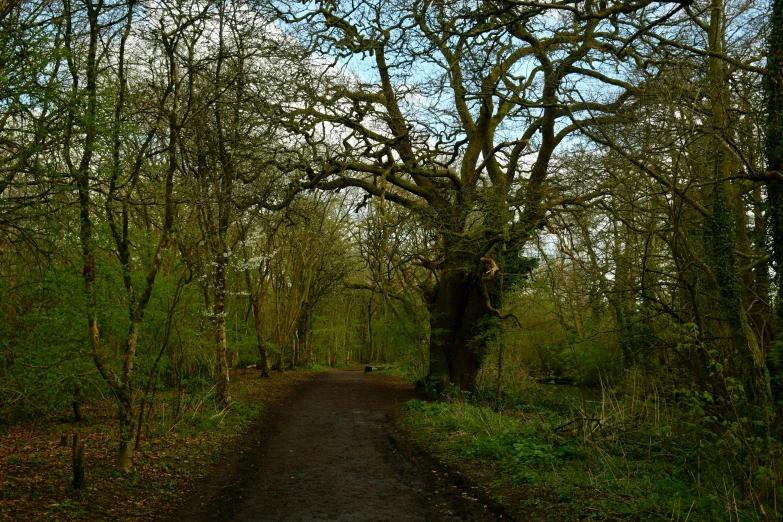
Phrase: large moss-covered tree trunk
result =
(457, 340)
(774, 148)
(725, 266)
(774, 152)
(722, 225)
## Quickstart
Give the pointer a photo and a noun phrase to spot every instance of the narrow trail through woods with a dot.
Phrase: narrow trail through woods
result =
(329, 451)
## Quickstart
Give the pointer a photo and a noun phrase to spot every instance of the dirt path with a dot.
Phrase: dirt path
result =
(329, 452)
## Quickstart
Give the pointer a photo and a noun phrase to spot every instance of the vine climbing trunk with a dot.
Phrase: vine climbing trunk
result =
(774, 151)
(722, 225)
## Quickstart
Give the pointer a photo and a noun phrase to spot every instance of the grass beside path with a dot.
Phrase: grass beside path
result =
(539, 464)
(35, 469)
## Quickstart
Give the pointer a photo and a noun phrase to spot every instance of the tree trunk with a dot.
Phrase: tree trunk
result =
(77, 403)
(774, 151)
(263, 355)
(127, 424)
(309, 336)
(723, 228)
(294, 350)
(77, 461)
(370, 344)
(457, 346)
(761, 311)
(222, 396)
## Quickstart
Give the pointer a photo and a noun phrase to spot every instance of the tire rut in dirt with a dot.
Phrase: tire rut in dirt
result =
(329, 452)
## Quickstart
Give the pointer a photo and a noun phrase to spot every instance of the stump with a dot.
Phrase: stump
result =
(78, 463)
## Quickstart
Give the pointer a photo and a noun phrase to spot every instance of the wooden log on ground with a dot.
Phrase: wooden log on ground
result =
(368, 368)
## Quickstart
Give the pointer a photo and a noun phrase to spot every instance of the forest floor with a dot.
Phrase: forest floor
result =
(35, 469)
(349, 446)
(331, 450)
(303, 446)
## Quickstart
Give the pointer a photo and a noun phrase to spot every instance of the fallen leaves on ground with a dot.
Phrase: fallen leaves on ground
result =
(35, 466)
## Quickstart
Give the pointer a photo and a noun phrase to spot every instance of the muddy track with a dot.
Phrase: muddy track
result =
(329, 451)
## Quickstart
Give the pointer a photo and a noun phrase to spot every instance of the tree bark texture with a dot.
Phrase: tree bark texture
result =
(774, 150)
(457, 343)
(263, 354)
(77, 462)
(222, 394)
(722, 226)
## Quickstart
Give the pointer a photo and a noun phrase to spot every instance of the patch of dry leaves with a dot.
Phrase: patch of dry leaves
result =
(35, 469)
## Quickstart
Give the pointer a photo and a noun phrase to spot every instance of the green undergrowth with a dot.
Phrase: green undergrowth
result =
(318, 367)
(174, 453)
(398, 372)
(235, 418)
(547, 460)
